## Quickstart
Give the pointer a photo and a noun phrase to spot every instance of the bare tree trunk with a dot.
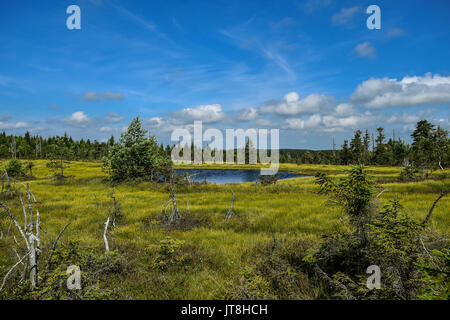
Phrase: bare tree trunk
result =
(104, 235)
(230, 212)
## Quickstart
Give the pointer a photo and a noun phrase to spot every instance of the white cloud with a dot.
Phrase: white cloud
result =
(106, 129)
(207, 113)
(112, 117)
(366, 49)
(312, 122)
(293, 105)
(345, 17)
(354, 121)
(248, 114)
(345, 109)
(78, 119)
(410, 91)
(403, 118)
(13, 125)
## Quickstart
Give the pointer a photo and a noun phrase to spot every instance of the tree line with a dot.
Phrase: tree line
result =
(429, 150)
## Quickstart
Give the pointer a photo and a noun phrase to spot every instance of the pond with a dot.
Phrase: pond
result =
(222, 176)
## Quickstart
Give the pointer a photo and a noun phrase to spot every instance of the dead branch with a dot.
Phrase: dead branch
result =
(175, 212)
(443, 194)
(382, 193)
(333, 283)
(55, 243)
(104, 235)
(230, 211)
(11, 270)
(6, 209)
(30, 233)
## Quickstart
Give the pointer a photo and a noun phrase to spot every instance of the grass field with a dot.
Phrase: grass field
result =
(290, 209)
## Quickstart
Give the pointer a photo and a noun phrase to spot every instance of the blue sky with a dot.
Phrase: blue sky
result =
(310, 68)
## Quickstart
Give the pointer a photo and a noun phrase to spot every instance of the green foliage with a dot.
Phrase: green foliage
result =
(115, 211)
(390, 239)
(96, 269)
(430, 147)
(15, 168)
(274, 272)
(174, 255)
(353, 193)
(169, 254)
(266, 180)
(59, 158)
(409, 173)
(437, 276)
(136, 156)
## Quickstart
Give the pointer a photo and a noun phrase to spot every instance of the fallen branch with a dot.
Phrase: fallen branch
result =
(332, 282)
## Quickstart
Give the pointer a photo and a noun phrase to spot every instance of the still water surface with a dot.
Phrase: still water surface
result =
(221, 176)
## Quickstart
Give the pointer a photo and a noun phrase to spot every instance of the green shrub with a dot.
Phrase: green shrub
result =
(388, 238)
(266, 180)
(137, 156)
(15, 168)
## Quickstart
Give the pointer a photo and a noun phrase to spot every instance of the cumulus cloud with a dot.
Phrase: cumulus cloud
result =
(112, 117)
(409, 91)
(312, 122)
(353, 121)
(332, 122)
(345, 109)
(291, 104)
(345, 17)
(94, 96)
(13, 125)
(106, 129)
(207, 113)
(366, 49)
(248, 114)
(403, 118)
(78, 119)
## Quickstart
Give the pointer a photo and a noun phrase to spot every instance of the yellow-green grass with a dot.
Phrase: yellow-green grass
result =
(290, 209)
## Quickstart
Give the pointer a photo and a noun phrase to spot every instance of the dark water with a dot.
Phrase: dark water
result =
(220, 176)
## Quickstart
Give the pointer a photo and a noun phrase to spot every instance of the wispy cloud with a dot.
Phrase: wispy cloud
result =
(366, 49)
(310, 6)
(346, 16)
(94, 96)
(395, 32)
